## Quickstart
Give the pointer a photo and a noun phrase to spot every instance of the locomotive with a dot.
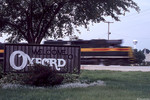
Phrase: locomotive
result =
(100, 51)
(1, 52)
(96, 51)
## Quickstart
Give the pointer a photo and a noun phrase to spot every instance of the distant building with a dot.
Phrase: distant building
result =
(147, 55)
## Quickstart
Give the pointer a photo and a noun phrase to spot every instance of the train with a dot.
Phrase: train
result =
(95, 51)
(1, 52)
(100, 51)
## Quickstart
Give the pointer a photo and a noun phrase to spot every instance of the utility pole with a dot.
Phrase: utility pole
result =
(0, 34)
(108, 28)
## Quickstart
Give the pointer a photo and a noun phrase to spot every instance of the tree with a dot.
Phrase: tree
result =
(147, 51)
(139, 56)
(33, 20)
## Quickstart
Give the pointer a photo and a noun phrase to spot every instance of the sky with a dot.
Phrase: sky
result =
(133, 26)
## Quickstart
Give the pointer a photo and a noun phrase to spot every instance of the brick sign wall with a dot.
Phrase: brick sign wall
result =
(62, 59)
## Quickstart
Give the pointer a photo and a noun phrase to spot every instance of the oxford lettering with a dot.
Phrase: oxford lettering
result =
(27, 61)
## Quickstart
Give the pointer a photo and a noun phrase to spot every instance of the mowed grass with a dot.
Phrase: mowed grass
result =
(119, 86)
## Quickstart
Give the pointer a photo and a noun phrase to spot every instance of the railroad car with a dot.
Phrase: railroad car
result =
(100, 51)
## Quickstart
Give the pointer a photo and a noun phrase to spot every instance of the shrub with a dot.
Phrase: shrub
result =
(39, 75)
(70, 78)
(43, 76)
(12, 78)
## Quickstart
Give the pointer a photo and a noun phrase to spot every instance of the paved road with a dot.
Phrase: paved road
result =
(116, 68)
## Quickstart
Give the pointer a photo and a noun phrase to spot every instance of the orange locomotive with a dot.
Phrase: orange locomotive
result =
(107, 52)
(1, 52)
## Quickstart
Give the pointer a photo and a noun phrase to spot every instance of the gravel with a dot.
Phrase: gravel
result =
(82, 85)
(66, 85)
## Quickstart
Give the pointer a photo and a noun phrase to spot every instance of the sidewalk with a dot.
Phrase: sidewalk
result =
(116, 68)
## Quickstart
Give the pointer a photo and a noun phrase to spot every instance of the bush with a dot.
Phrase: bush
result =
(39, 75)
(70, 78)
(13, 78)
(43, 76)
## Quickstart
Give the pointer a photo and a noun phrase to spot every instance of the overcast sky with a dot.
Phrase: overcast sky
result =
(133, 26)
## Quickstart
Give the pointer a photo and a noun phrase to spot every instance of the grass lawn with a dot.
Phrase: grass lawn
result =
(119, 86)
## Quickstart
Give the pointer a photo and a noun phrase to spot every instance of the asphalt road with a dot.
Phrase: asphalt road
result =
(116, 68)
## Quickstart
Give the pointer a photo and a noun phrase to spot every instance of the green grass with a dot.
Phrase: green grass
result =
(119, 86)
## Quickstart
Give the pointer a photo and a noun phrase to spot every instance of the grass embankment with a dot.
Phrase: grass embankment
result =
(119, 86)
